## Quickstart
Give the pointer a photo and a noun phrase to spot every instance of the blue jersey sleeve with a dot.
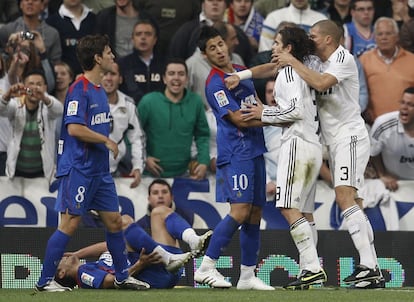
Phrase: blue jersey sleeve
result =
(76, 106)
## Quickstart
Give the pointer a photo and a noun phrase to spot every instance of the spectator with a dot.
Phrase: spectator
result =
(117, 22)
(399, 10)
(9, 11)
(338, 11)
(169, 15)
(160, 194)
(298, 12)
(363, 90)
(359, 34)
(171, 120)
(97, 6)
(25, 55)
(5, 127)
(64, 77)
(392, 152)
(388, 70)
(32, 113)
(184, 42)
(407, 35)
(272, 137)
(142, 69)
(29, 23)
(243, 14)
(73, 21)
(125, 125)
(264, 7)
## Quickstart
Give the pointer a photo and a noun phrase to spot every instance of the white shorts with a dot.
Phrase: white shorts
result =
(298, 168)
(348, 160)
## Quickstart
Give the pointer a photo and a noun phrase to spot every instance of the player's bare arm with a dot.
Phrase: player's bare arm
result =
(263, 71)
(252, 112)
(84, 134)
(390, 181)
(236, 118)
(144, 261)
(319, 81)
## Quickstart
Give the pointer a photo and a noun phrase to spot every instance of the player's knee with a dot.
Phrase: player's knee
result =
(161, 211)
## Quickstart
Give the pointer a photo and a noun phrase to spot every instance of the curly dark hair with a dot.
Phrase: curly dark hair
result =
(302, 45)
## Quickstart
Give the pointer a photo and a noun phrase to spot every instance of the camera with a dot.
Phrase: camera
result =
(27, 35)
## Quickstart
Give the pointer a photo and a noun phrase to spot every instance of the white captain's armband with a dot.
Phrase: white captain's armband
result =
(244, 74)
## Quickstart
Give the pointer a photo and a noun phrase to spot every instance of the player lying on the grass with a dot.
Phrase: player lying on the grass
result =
(161, 268)
(98, 274)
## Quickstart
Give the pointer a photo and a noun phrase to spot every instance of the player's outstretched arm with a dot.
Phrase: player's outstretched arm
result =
(263, 71)
(319, 81)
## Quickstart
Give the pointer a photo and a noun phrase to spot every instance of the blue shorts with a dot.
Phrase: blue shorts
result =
(242, 182)
(79, 193)
(156, 275)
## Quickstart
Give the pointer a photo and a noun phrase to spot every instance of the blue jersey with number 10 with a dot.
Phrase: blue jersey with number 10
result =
(86, 104)
(232, 142)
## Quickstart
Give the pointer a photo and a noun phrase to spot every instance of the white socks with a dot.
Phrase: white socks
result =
(190, 236)
(301, 233)
(207, 264)
(359, 228)
(247, 272)
(165, 256)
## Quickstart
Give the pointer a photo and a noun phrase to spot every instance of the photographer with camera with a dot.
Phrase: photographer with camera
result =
(26, 51)
(32, 113)
(30, 27)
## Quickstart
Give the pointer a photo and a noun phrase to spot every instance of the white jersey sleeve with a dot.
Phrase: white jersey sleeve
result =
(339, 110)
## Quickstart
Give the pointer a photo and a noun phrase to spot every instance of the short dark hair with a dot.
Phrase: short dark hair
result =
(148, 22)
(175, 61)
(159, 181)
(35, 71)
(352, 5)
(207, 33)
(89, 46)
(409, 90)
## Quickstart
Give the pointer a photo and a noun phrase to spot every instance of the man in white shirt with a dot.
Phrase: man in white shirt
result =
(125, 124)
(298, 12)
(392, 143)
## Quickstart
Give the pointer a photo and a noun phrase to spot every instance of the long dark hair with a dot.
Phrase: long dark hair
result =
(302, 45)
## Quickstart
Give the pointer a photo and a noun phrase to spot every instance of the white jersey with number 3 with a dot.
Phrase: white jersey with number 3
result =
(339, 111)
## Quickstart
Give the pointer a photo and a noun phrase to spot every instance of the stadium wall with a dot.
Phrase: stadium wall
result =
(30, 203)
(22, 252)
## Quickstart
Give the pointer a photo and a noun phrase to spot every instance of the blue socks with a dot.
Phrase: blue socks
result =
(55, 248)
(116, 246)
(222, 235)
(138, 238)
(249, 243)
(176, 225)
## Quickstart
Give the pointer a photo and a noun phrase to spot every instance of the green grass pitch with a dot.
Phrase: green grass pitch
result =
(211, 295)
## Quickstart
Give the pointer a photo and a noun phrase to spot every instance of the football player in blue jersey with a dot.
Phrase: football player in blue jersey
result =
(83, 166)
(241, 175)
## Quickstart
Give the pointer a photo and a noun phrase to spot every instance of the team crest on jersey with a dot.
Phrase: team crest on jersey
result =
(221, 98)
(72, 108)
(87, 279)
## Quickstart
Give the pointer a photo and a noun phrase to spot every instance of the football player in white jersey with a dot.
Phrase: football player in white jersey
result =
(345, 134)
(300, 156)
